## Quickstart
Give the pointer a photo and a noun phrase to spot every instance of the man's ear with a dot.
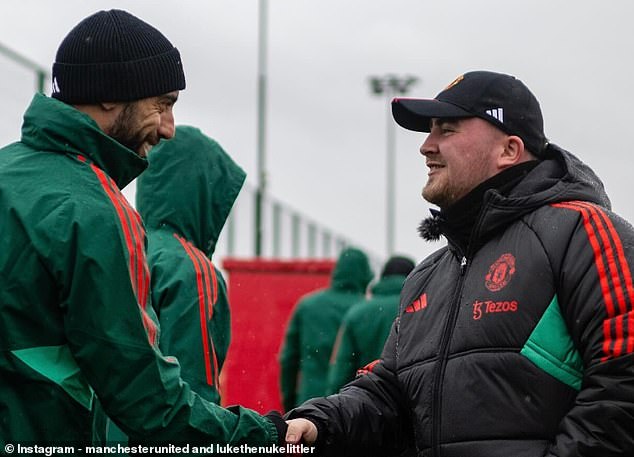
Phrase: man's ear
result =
(513, 152)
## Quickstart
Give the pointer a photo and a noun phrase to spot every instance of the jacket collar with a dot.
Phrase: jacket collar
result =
(53, 126)
(459, 220)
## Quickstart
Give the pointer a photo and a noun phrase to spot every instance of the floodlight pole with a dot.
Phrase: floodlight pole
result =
(390, 86)
(40, 72)
(261, 132)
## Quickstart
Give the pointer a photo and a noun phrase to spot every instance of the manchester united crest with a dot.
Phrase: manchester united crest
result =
(500, 273)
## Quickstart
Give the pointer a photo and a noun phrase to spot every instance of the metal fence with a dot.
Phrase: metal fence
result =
(287, 233)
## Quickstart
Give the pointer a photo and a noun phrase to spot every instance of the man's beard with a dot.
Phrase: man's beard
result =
(125, 129)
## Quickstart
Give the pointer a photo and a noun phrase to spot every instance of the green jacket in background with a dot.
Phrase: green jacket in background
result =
(363, 332)
(184, 198)
(313, 327)
(75, 319)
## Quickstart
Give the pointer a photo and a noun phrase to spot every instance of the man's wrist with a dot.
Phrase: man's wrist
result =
(280, 426)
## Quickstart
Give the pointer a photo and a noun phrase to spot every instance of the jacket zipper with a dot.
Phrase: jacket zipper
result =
(442, 359)
(463, 265)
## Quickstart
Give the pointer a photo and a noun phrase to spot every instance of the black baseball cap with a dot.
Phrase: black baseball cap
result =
(500, 99)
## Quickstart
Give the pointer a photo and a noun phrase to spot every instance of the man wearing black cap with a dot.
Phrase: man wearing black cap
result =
(76, 325)
(517, 338)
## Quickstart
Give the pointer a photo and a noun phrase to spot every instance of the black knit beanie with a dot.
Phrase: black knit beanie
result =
(397, 265)
(113, 56)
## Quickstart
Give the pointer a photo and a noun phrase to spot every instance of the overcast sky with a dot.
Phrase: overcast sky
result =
(326, 131)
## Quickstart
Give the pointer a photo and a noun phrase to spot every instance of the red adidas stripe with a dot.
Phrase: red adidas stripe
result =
(205, 264)
(627, 275)
(190, 250)
(143, 273)
(212, 297)
(609, 243)
(133, 235)
(603, 278)
(600, 217)
(418, 304)
(140, 267)
(209, 277)
(368, 368)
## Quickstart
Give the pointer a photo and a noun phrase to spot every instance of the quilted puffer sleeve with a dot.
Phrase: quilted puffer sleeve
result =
(597, 299)
(367, 417)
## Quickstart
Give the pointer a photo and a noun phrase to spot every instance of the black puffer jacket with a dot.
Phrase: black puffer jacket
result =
(518, 344)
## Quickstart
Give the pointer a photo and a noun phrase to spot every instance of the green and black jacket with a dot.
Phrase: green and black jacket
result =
(519, 342)
(75, 319)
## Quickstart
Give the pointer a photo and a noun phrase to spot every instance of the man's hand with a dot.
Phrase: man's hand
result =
(301, 430)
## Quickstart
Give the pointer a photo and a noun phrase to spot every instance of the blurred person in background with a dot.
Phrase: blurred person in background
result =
(185, 198)
(366, 326)
(313, 326)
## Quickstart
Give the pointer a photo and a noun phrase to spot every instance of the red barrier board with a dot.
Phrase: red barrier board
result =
(262, 295)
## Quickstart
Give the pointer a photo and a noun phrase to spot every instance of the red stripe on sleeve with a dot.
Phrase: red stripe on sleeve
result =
(630, 332)
(206, 266)
(598, 260)
(599, 217)
(124, 223)
(623, 293)
(605, 225)
(368, 368)
(625, 268)
(209, 277)
(201, 306)
(143, 269)
(138, 269)
(610, 242)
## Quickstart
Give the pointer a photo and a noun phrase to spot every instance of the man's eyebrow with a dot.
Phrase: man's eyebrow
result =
(169, 98)
(439, 121)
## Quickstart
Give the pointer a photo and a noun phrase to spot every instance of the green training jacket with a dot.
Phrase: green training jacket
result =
(184, 198)
(363, 332)
(75, 320)
(313, 327)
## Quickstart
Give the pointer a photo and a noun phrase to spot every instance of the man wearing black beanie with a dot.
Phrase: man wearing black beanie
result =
(76, 325)
(124, 74)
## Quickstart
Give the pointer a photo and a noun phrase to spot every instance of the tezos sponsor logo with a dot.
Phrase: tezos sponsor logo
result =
(489, 306)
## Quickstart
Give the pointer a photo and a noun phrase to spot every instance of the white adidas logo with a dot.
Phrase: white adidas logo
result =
(55, 86)
(497, 113)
